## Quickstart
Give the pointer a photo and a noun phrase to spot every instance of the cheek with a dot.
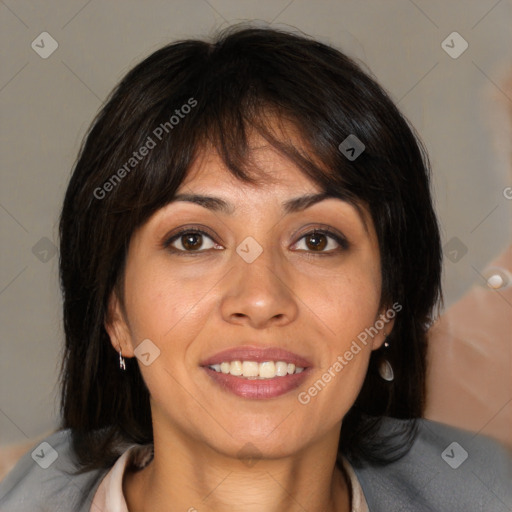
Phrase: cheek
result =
(346, 318)
(348, 302)
(346, 347)
(158, 300)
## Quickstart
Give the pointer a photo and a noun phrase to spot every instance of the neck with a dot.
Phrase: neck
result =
(189, 477)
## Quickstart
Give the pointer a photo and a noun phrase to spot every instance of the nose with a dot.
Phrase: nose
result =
(259, 294)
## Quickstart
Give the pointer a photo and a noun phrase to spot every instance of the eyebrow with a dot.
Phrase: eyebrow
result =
(217, 204)
(296, 204)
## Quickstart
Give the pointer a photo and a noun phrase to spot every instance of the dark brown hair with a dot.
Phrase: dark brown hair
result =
(231, 85)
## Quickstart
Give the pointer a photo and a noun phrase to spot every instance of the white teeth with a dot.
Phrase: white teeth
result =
(236, 368)
(255, 370)
(250, 369)
(267, 370)
(281, 369)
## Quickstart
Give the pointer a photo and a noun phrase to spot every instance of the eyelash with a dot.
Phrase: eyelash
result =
(340, 240)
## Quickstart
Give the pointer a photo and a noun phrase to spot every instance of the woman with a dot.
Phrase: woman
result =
(250, 261)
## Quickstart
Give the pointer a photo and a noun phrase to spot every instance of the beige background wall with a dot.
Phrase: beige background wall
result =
(457, 105)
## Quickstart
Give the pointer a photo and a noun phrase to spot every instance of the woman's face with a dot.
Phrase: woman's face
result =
(257, 294)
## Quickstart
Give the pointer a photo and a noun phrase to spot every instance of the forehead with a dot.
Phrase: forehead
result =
(273, 172)
(260, 159)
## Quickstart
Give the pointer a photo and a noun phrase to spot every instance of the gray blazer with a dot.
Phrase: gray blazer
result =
(446, 470)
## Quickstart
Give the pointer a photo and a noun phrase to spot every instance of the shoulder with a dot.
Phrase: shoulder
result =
(44, 480)
(445, 469)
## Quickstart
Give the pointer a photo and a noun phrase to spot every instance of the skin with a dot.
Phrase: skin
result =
(194, 306)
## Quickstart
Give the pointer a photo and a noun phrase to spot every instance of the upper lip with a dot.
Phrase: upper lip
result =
(258, 354)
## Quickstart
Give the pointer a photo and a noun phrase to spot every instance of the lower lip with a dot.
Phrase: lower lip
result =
(258, 389)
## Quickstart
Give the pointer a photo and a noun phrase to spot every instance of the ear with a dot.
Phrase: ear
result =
(384, 330)
(117, 327)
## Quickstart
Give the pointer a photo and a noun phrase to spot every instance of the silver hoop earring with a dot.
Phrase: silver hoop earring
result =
(385, 368)
(122, 364)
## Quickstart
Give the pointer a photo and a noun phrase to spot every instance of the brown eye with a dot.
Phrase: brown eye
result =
(189, 240)
(316, 241)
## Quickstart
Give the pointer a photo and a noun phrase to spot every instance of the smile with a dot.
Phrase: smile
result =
(255, 370)
(257, 373)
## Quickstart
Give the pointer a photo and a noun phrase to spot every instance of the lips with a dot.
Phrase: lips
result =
(256, 388)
